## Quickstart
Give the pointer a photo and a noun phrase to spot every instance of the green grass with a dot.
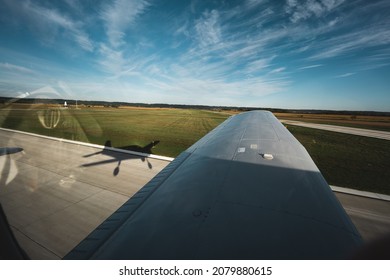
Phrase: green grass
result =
(347, 160)
(175, 129)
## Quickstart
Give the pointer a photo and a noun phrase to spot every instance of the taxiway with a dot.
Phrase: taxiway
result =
(342, 129)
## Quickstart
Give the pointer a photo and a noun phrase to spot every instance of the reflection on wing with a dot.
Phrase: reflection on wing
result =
(247, 190)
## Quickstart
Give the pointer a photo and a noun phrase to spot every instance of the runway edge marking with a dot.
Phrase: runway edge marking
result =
(360, 193)
(90, 145)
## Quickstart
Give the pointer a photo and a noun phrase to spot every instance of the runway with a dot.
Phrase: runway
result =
(52, 201)
(370, 216)
(55, 193)
(342, 129)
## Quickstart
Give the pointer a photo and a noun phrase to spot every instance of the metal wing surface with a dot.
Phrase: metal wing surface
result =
(247, 190)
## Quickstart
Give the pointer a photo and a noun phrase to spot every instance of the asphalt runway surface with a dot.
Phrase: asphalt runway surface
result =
(343, 129)
(55, 193)
(370, 216)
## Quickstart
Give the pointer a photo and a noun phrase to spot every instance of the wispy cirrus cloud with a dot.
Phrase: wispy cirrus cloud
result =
(115, 56)
(75, 5)
(112, 61)
(352, 42)
(310, 66)
(225, 52)
(253, 4)
(259, 64)
(17, 68)
(119, 16)
(338, 29)
(345, 75)
(278, 70)
(302, 10)
(181, 89)
(220, 60)
(49, 24)
(208, 28)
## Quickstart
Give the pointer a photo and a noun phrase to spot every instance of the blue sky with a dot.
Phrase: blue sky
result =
(320, 54)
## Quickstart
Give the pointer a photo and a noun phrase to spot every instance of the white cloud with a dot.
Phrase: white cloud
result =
(208, 28)
(333, 22)
(214, 91)
(219, 67)
(119, 16)
(259, 64)
(13, 67)
(345, 75)
(74, 4)
(302, 10)
(343, 34)
(117, 63)
(331, 4)
(48, 24)
(350, 42)
(183, 30)
(252, 4)
(291, 4)
(248, 47)
(278, 70)
(315, 8)
(84, 42)
(53, 19)
(111, 60)
(310, 66)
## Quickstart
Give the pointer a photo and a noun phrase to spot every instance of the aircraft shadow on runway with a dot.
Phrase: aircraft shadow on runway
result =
(9, 150)
(119, 157)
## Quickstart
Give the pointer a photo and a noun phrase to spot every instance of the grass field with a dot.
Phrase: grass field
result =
(348, 160)
(345, 160)
(176, 129)
(366, 122)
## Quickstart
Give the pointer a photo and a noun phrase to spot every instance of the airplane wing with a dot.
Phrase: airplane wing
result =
(247, 190)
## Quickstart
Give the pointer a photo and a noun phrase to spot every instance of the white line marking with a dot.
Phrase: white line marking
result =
(361, 193)
(343, 129)
(90, 145)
